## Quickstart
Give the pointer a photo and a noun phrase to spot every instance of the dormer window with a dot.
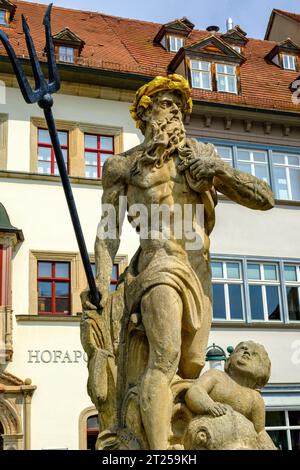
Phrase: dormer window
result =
(201, 74)
(3, 17)
(289, 62)
(66, 54)
(237, 49)
(226, 78)
(175, 43)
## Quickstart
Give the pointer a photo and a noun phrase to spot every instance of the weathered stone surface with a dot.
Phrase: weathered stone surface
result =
(147, 345)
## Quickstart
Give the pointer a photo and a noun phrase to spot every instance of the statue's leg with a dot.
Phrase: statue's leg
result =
(162, 314)
(194, 346)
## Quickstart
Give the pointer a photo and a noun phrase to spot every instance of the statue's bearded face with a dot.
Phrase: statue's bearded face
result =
(163, 120)
(250, 360)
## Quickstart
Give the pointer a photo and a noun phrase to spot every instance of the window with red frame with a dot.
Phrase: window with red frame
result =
(92, 431)
(54, 287)
(46, 158)
(97, 149)
(114, 275)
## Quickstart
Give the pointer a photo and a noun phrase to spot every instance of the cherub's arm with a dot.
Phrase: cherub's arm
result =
(258, 419)
(197, 397)
(109, 228)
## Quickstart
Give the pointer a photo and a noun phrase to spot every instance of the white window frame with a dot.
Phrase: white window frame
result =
(289, 62)
(226, 281)
(292, 284)
(287, 166)
(226, 76)
(252, 161)
(178, 43)
(201, 72)
(264, 283)
(228, 160)
(65, 57)
(286, 428)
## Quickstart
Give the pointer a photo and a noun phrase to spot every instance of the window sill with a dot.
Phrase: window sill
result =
(256, 325)
(52, 178)
(48, 318)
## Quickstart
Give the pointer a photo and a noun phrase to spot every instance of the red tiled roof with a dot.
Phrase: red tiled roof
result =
(294, 16)
(121, 44)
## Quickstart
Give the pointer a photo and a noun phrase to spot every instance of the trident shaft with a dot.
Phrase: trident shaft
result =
(42, 95)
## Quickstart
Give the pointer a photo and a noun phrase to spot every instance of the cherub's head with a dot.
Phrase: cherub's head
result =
(249, 365)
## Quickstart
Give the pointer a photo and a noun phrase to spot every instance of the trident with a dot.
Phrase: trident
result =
(42, 95)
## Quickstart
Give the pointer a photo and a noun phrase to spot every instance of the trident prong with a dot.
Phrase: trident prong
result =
(42, 94)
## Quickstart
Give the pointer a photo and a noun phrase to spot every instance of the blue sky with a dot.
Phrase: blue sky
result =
(251, 15)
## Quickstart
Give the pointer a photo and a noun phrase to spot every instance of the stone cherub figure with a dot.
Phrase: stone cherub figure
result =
(158, 321)
(217, 393)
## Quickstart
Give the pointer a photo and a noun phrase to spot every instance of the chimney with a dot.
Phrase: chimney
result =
(213, 29)
(229, 23)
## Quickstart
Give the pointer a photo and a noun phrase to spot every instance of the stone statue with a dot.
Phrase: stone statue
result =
(152, 332)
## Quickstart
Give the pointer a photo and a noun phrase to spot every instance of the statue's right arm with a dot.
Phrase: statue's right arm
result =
(108, 232)
(198, 397)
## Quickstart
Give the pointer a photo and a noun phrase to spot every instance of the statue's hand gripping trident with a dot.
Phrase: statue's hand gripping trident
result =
(42, 95)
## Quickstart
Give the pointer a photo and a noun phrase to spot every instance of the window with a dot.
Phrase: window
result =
(114, 275)
(46, 159)
(254, 162)
(92, 431)
(175, 43)
(226, 78)
(66, 54)
(228, 302)
(287, 176)
(97, 149)
(289, 62)
(53, 287)
(284, 428)
(3, 17)
(264, 292)
(292, 286)
(225, 153)
(201, 75)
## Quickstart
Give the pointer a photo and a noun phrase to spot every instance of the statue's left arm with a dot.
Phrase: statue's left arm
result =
(238, 186)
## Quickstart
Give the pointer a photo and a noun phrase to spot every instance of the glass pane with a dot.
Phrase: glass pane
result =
(293, 160)
(63, 138)
(230, 69)
(114, 273)
(196, 79)
(91, 172)
(220, 68)
(270, 272)
(273, 302)
(45, 289)
(219, 311)
(235, 300)
(44, 153)
(65, 155)
(293, 303)
(290, 273)
(104, 157)
(90, 141)
(204, 66)
(275, 419)
(233, 270)
(106, 143)
(44, 269)
(112, 287)
(217, 269)
(43, 136)
(295, 437)
(261, 172)
(278, 158)
(92, 422)
(45, 304)
(224, 152)
(260, 157)
(231, 84)
(94, 269)
(280, 439)
(206, 80)
(253, 271)
(243, 154)
(62, 306)
(90, 158)
(44, 168)
(195, 64)
(281, 183)
(246, 168)
(256, 303)
(295, 184)
(221, 83)
(61, 289)
(62, 270)
(294, 417)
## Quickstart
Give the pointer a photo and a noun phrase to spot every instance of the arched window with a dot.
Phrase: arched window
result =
(92, 431)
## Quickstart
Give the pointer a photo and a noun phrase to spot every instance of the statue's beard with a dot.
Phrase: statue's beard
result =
(165, 136)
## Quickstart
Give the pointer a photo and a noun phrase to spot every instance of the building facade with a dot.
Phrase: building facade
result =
(245, 102)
